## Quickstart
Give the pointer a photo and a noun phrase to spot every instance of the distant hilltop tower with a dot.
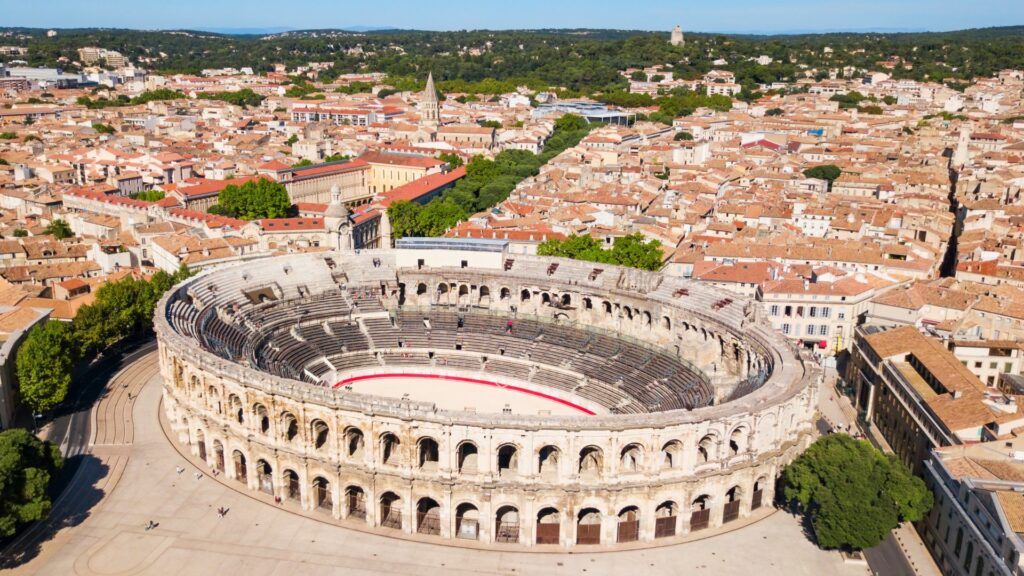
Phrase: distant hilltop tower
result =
(677, 36)
(430, 111)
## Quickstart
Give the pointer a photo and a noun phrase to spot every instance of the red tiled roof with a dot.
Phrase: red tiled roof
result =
(400, 160)
(422, 186)
(356, 164)
(209, 187)
(285, 224)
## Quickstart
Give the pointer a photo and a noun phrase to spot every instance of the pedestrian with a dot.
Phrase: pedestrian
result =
(198, 475)
(179, 469)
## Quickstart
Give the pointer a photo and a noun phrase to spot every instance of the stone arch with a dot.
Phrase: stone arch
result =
(259, 412)
(355, 502)
(236, 408)
(588, 526)
(463, 293)
(201, 444)
(588, 304)
(607, 306)
(390, 447)
(467, 457)
(549, 522)
(239, 461)
(707, 449)
(757, 495)
(421, 289)
(467, 521)
(733, 500)
(428, 516)
(290, 426)
(548, 458)
(320, 434)
(646, 318)
(666, 323)
(631, 458)
(508, 460)
(738, 440)
(427, 454)
(628, 525)
(265, 476)
(545, 298)
(665, 519)
(218, 456)
(672, 454)
(566, 299)
(505, 294)
(292, 490)
(524, 295)
(354, 443)
(213, 399)
(485, 296)
(506, 524)
(700, 512)
(390, 511)
(322, 493)
(591, 463)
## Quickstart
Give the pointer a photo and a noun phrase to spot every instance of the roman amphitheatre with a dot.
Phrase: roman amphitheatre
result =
(453, 391)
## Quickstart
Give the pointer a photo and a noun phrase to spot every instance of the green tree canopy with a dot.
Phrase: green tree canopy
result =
(630, 250)
(44, 364)
(853, 493)
(404, 217)
(453, 160)
(683, 136)
(27, 465)
(255, 199)
(60, 229)
(824, 172)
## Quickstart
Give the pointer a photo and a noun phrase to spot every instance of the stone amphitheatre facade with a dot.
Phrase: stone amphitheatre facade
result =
(687, 404)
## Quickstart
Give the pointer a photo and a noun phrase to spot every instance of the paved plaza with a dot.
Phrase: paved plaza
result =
(138, 482)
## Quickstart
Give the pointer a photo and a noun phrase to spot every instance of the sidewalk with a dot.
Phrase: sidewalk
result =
(915, 551)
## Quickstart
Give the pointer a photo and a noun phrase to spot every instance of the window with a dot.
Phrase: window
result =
(977, 364)
(826, 312)
(810, 329)
(775, 310)
(812, 311)
(992, 365)
(785, 328)
(823, 330)
(1007, 367)
(842, 315)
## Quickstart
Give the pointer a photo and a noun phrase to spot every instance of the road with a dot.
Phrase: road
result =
(887, 559)
(108, 389)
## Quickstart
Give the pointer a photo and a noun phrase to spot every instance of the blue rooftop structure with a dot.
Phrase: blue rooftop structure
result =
(468, 244)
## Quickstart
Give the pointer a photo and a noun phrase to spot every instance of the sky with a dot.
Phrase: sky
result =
(762, 16)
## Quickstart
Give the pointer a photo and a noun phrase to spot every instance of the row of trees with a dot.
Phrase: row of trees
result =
(487, 183)
(245, 97)
(161, 94)
(253, 200)
(46, 360)
(27, 466)
(630, 250)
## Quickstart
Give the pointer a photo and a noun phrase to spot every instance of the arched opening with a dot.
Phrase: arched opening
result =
(588, 304)
(548, 526)
(732, 504)
(588, 526)
(545, 298)
(758, 496)
(467, 458)
(671, 454)
(213, 399)
(463, 294)
(505, 294)
(427, 454)
(566, 300)
(241, 473)
(421, 289)
(262, 420)
(547, 462)
(428, 516)
(389, 449)
(355, 502)
(631, 458)
(291, 484)
(236, 408)
(706, 449)
(201, 444)
(738, 441)
(607, 308)
(629, 524)
(508, 460)
(320, 434)
(646, 318)
(218, 456)
(265, 474)
(524, 295)
(665, 519)
(354, 443)
(322, 494)
(391, 510)
(700, 513)
(666, 323)
(467, 521)
(591, 463)
(506, 524)
(290, 426)
(627, 312)
(485, 296)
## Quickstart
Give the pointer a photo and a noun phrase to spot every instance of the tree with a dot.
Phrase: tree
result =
(255, 199)
(774, 112)
(453, 160)
(638, 76)
(101, 128)
(60, 229)
(303, 162)
(149, 195)
(827, 172)
(490, 124)
(570, 123)
(292, 139)
(853, 493)
(20, 233)
(27, 466)
(630, 250)
(404, 218)
(683, 136)
(44, 365)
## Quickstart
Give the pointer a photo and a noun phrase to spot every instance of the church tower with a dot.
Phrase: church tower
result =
(677, 36)
(962, 154)
(430, 110)
(336, 222)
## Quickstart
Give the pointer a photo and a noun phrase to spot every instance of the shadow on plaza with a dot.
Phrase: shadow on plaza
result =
(73, 506)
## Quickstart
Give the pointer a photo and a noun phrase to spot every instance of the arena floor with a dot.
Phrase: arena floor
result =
(472, 394)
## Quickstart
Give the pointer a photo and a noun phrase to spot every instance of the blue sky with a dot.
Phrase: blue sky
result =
(694, 15)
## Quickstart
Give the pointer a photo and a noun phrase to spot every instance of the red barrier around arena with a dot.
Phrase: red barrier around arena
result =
(561, 401)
